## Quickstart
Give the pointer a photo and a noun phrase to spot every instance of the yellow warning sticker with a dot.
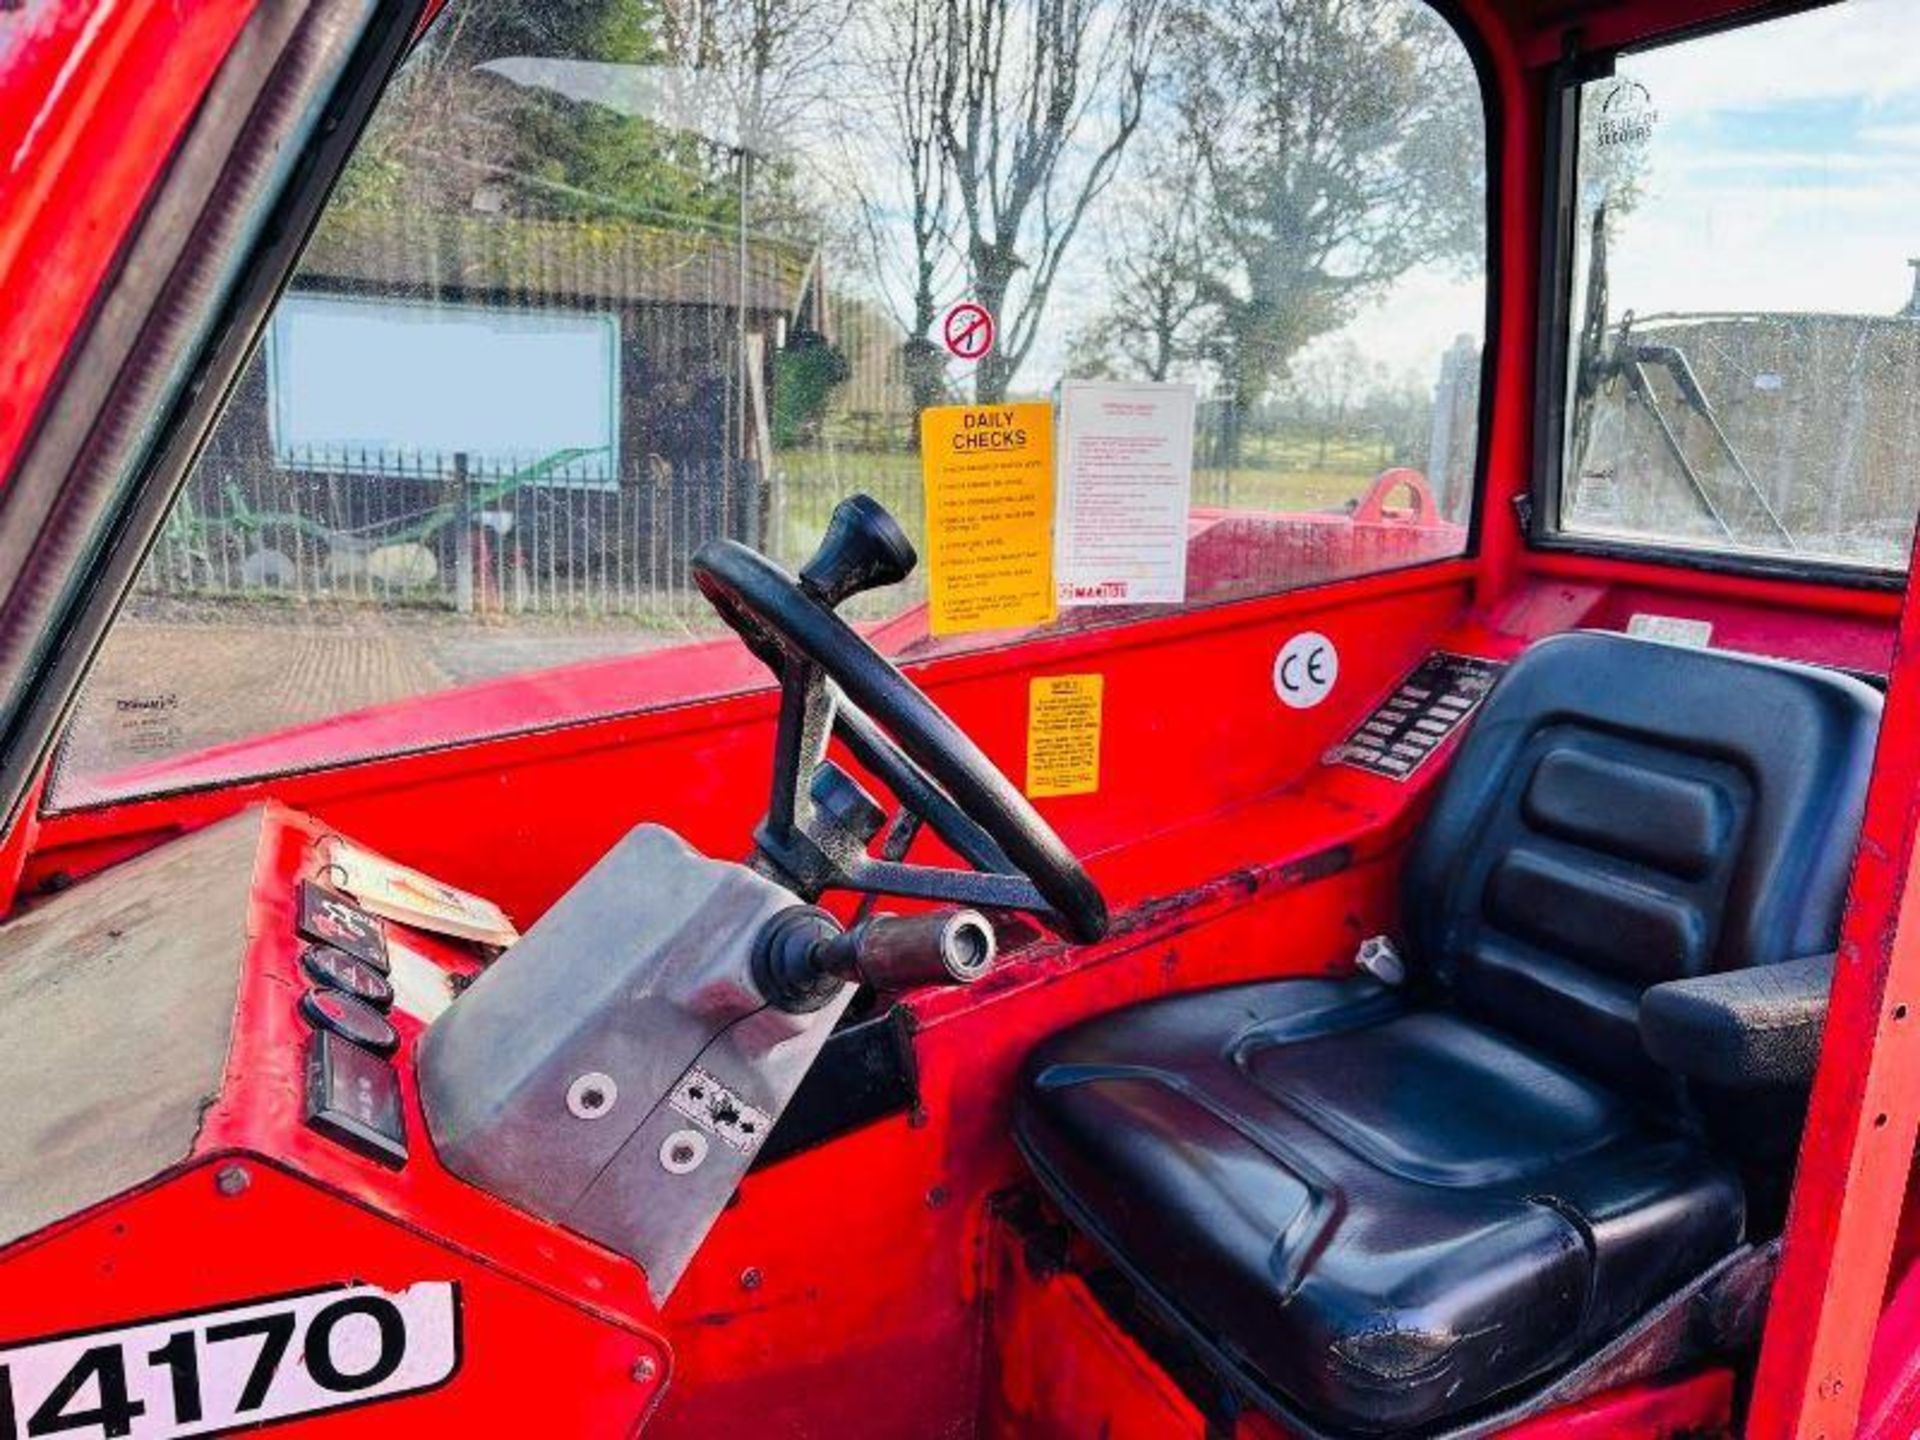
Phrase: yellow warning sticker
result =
(1063, 735)
(989, 478)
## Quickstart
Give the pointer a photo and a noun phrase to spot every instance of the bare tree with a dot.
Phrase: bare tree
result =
(1154, 274)
(1332, 382)
(775, 61)
(906, 52)
(1006, 120)
(1037, 102)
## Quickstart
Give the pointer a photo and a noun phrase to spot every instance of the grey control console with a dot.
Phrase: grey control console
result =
(618, 1069)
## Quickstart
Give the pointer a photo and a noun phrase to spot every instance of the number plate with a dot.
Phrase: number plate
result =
(242, 1365)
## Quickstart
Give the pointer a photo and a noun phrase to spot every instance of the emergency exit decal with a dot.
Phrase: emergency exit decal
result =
(243, 1365)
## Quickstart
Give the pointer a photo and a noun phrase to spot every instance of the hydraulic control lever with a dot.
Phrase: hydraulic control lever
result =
(802, 957)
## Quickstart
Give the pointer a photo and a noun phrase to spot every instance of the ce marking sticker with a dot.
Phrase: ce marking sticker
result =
(1305, 669)
(239, 1366)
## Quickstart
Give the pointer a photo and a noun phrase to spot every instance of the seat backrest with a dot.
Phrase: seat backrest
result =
(1626, 812)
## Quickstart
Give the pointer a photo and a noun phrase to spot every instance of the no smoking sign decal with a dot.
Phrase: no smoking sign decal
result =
(967, 330)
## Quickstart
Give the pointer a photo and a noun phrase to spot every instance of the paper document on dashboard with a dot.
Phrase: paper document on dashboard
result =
(1125, 492)
(390, 889)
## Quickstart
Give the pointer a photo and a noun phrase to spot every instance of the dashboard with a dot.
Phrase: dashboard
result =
(232, 1211)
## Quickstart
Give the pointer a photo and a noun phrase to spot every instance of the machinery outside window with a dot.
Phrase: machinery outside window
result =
(1743, 370)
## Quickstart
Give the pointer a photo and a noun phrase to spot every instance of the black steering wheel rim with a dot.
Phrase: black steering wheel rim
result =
(778, 619)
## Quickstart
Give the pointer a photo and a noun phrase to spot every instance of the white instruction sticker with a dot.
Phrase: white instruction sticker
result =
(1673, 629)
(420, 988)
(1125, 489)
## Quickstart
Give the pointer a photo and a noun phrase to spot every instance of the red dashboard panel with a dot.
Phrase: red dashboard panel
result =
(276, 1264)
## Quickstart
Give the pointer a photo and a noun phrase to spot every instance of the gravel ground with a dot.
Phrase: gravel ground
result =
(175, 678)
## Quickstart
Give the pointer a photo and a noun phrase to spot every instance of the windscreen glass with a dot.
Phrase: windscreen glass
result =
(607, 280)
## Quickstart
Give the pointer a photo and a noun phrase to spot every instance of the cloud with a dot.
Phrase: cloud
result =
(1869, 164)
(1414, 323)
(1868, 49)
(1784, 171)
(1892, 137)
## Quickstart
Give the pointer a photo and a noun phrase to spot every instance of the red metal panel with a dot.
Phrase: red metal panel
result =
(533, 1363)
(868, 1322)
(1193, 728)
(261, 1106)
(1859, 1141)
(559, 1335)
(1058, 1366)
(93, 99)
(17, 843)
(1691, 1406)
(1760, 593)
(1755, 620)
(1543, 24)
(871, 1316)
(1508, 441)
(1891, 1404)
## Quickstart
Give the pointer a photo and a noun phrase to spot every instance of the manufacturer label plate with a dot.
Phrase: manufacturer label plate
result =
(1406, 729)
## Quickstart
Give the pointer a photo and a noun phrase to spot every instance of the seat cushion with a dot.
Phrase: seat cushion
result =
(1378, 1216)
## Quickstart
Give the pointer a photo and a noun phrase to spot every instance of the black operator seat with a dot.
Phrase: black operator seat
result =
(1382, 1209)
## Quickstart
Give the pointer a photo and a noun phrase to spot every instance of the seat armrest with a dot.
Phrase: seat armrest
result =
(1743, 1029)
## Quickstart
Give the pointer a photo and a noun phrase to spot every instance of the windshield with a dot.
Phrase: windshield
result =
(1745, 325)
(607, 279)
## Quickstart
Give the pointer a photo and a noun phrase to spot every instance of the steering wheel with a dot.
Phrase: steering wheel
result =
(819, 820)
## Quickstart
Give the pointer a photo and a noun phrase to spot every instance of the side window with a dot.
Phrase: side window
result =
(1744, 335)
(608, 278)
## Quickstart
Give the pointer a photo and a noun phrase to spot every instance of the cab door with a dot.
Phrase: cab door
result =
(163, 163)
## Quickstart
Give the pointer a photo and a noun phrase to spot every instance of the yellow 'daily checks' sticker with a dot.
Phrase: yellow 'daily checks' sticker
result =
(989, 478)
(1063, 735)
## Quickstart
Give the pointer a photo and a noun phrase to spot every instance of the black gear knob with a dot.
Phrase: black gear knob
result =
(863, 549)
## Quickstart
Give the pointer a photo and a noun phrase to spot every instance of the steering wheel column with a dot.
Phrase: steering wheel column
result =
(820, 823)
(619, 1069)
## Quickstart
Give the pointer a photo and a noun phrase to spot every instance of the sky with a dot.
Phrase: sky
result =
(1405, 331)
(1784, 168)
(1783, 173)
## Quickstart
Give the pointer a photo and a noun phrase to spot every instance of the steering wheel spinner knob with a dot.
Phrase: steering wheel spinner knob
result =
(864, 549)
